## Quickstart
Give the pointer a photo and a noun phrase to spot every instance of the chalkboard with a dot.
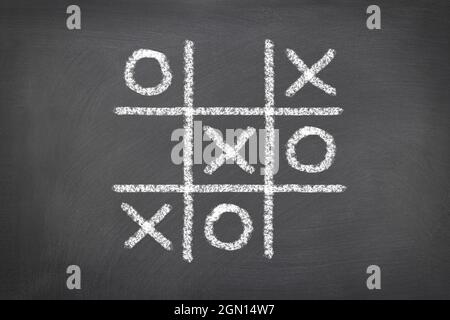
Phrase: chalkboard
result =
(68, 148)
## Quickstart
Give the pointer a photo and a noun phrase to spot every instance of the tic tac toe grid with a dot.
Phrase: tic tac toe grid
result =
(188, 111)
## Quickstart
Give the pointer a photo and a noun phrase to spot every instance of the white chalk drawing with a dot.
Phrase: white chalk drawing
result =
(215, 216)
(188, 148)
(227, 111)
(229, 151)
(217, 188)
(269, 112)
(165, 69)
(147, 227)
(310, 131)
(269, 120)
(309, 74)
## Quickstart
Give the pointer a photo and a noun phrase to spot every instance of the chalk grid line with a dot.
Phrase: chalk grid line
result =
(188, 111)
(239, 188)
(188, 150)
(269, 85)
(229, 111)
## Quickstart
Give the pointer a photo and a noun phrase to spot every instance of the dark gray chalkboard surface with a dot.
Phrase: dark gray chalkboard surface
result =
(63, 148)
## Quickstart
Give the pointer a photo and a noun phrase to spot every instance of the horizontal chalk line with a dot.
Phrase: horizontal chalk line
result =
(212, 188)
(229, 111)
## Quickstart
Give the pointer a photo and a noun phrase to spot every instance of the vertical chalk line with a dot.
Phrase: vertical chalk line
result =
(188, 149)
(269, 146)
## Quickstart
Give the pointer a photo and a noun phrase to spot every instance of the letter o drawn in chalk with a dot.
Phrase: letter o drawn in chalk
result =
(165, 70)
(310, 168)
(215, 216)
